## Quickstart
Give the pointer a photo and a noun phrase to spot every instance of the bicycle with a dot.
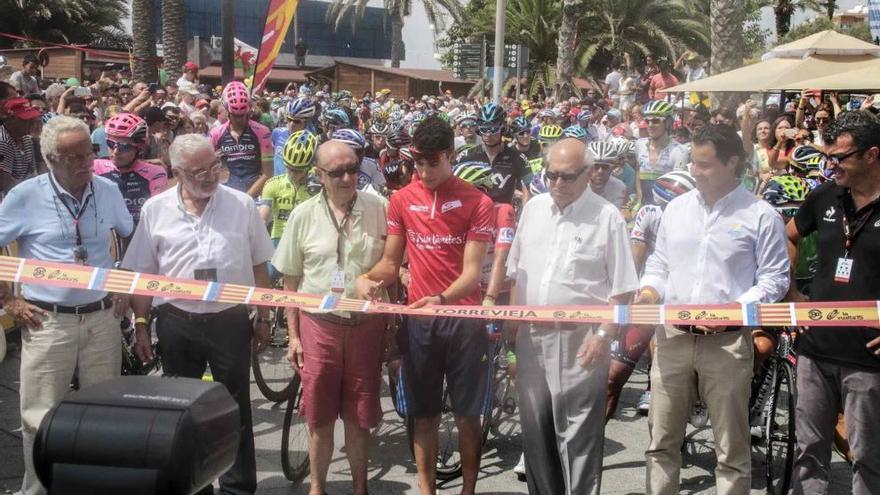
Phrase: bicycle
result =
(273, 374)
(295, 439)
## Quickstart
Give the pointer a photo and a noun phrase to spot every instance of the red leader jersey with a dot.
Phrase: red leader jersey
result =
(436, 224)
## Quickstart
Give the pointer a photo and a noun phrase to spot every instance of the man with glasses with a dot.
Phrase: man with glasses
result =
(612, 189)
(299, 114)
(63, 216)
(571, 248)
(445, 225)
(718, 244)
(658, 153)
(138, 180)
(839, 368)
(330, 240)
(202, 230)
(510, 169)
(467, 138)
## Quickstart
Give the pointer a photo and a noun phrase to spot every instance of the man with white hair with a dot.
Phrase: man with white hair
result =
(571, 248)
(63, 216)
(203, 230)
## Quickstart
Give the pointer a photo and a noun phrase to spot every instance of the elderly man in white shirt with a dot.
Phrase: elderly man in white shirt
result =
(571, 248)
(202, 230)
(717, 244)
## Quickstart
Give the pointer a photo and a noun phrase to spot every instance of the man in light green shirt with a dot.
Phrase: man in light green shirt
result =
(330, 240)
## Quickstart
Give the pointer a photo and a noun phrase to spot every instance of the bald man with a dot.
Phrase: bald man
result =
(571, 248)
(331, 239)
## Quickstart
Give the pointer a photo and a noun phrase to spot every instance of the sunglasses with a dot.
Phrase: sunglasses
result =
(297, 121)
(601, 166)
(836, 159)
(552, 176)
(655, 121)
(788, 212)
(336, 174)
(523, 133)
(487, 130)
(120, 147)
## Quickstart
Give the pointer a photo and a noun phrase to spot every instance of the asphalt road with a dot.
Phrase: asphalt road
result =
(392, 470)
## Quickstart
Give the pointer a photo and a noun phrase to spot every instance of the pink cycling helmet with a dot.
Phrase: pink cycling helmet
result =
(236, 98)
(127, 125)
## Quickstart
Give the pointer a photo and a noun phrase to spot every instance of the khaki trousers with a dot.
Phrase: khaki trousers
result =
(88, 344)
(719, 367)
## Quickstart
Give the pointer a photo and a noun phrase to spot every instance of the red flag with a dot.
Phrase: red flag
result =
(278, 19)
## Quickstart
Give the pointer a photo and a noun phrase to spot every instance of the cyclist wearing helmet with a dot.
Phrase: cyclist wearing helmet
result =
(332, 119)
(634, 340)
(612, 189)
(466, 128)
(299, 114)
(658, 153)
(576, 132)
(523, 141)
(137, 180)
(378, 133)
(496, 290)
(369, 177)
(586, 121)
(283, 193)
(509, 167)
(245, 146)
(807, 161)
(626, 149)
(396, 167)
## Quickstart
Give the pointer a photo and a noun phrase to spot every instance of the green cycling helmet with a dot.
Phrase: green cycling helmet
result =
(478, 174)
(300, 150)
(550, 132)
(784, 190)
(658, 108)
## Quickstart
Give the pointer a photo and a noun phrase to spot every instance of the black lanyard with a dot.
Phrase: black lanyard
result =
(851, 232)
(340, 226)
(76, 216)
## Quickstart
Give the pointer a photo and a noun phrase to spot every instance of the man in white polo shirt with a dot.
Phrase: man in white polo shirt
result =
(202, 230)
(64, 216)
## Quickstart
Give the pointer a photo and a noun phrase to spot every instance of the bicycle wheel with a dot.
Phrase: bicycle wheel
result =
(448, 457)
(295, 440)
(780, 440)
(272, 372)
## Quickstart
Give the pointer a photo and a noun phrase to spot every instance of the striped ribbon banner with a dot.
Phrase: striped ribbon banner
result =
(826, 314)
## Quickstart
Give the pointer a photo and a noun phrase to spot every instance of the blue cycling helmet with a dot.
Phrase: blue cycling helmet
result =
(350, 137)
(575, 131)
(300, 108)
(538, 184)
(584, 115)
(520, 124)
(492, 114)
(336, 117)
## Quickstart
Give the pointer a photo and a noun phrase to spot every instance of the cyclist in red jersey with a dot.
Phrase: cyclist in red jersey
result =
(445, 225)
(137, 180)
(245, 145)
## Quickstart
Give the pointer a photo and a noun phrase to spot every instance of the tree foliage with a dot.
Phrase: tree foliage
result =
(822, 23)
(65, 21)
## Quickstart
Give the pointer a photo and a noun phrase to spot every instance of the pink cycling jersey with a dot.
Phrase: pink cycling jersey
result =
(142, 181)
(436, 224)
(243, 157)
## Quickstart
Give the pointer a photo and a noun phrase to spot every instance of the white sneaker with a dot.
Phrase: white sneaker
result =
(520, 469)
(699, 415)
(644, 403)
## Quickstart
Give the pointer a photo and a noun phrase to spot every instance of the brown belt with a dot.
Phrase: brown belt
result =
(699, 331)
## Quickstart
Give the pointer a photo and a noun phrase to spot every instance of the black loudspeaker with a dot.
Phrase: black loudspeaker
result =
(138, 435)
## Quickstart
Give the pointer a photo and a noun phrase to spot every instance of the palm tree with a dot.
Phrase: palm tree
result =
(63, 21)
(725, 23)
(783, 10)
(143, 34)
(397, 11)
(173, 37)
(567, 45)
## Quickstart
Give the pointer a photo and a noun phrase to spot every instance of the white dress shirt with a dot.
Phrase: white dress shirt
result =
(735, 251)
(229, 237)
(579, 255)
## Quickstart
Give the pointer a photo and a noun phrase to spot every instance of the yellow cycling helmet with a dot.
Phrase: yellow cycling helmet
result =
(550, 132)
(300, 150)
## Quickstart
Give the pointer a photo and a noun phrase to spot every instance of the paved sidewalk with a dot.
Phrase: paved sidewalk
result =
(391, 468)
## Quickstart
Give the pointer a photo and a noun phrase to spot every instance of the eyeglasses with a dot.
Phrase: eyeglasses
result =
(120, 147)
(552, 176)
(602, 166)
(524, 133)
(487, 130)
(655, 120)
(336, 174)
(788, 212)
(297, 121)
(836, 159)
(215, 169)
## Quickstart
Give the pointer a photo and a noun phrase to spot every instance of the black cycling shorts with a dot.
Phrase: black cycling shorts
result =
(433, 348)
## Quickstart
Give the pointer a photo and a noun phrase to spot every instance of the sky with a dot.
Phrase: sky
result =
(420, 48)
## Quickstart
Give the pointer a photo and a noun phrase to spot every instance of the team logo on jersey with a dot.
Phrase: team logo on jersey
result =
(419, 208)
(829, 214)
(450, 205)
(877, 223)
(505, 235)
